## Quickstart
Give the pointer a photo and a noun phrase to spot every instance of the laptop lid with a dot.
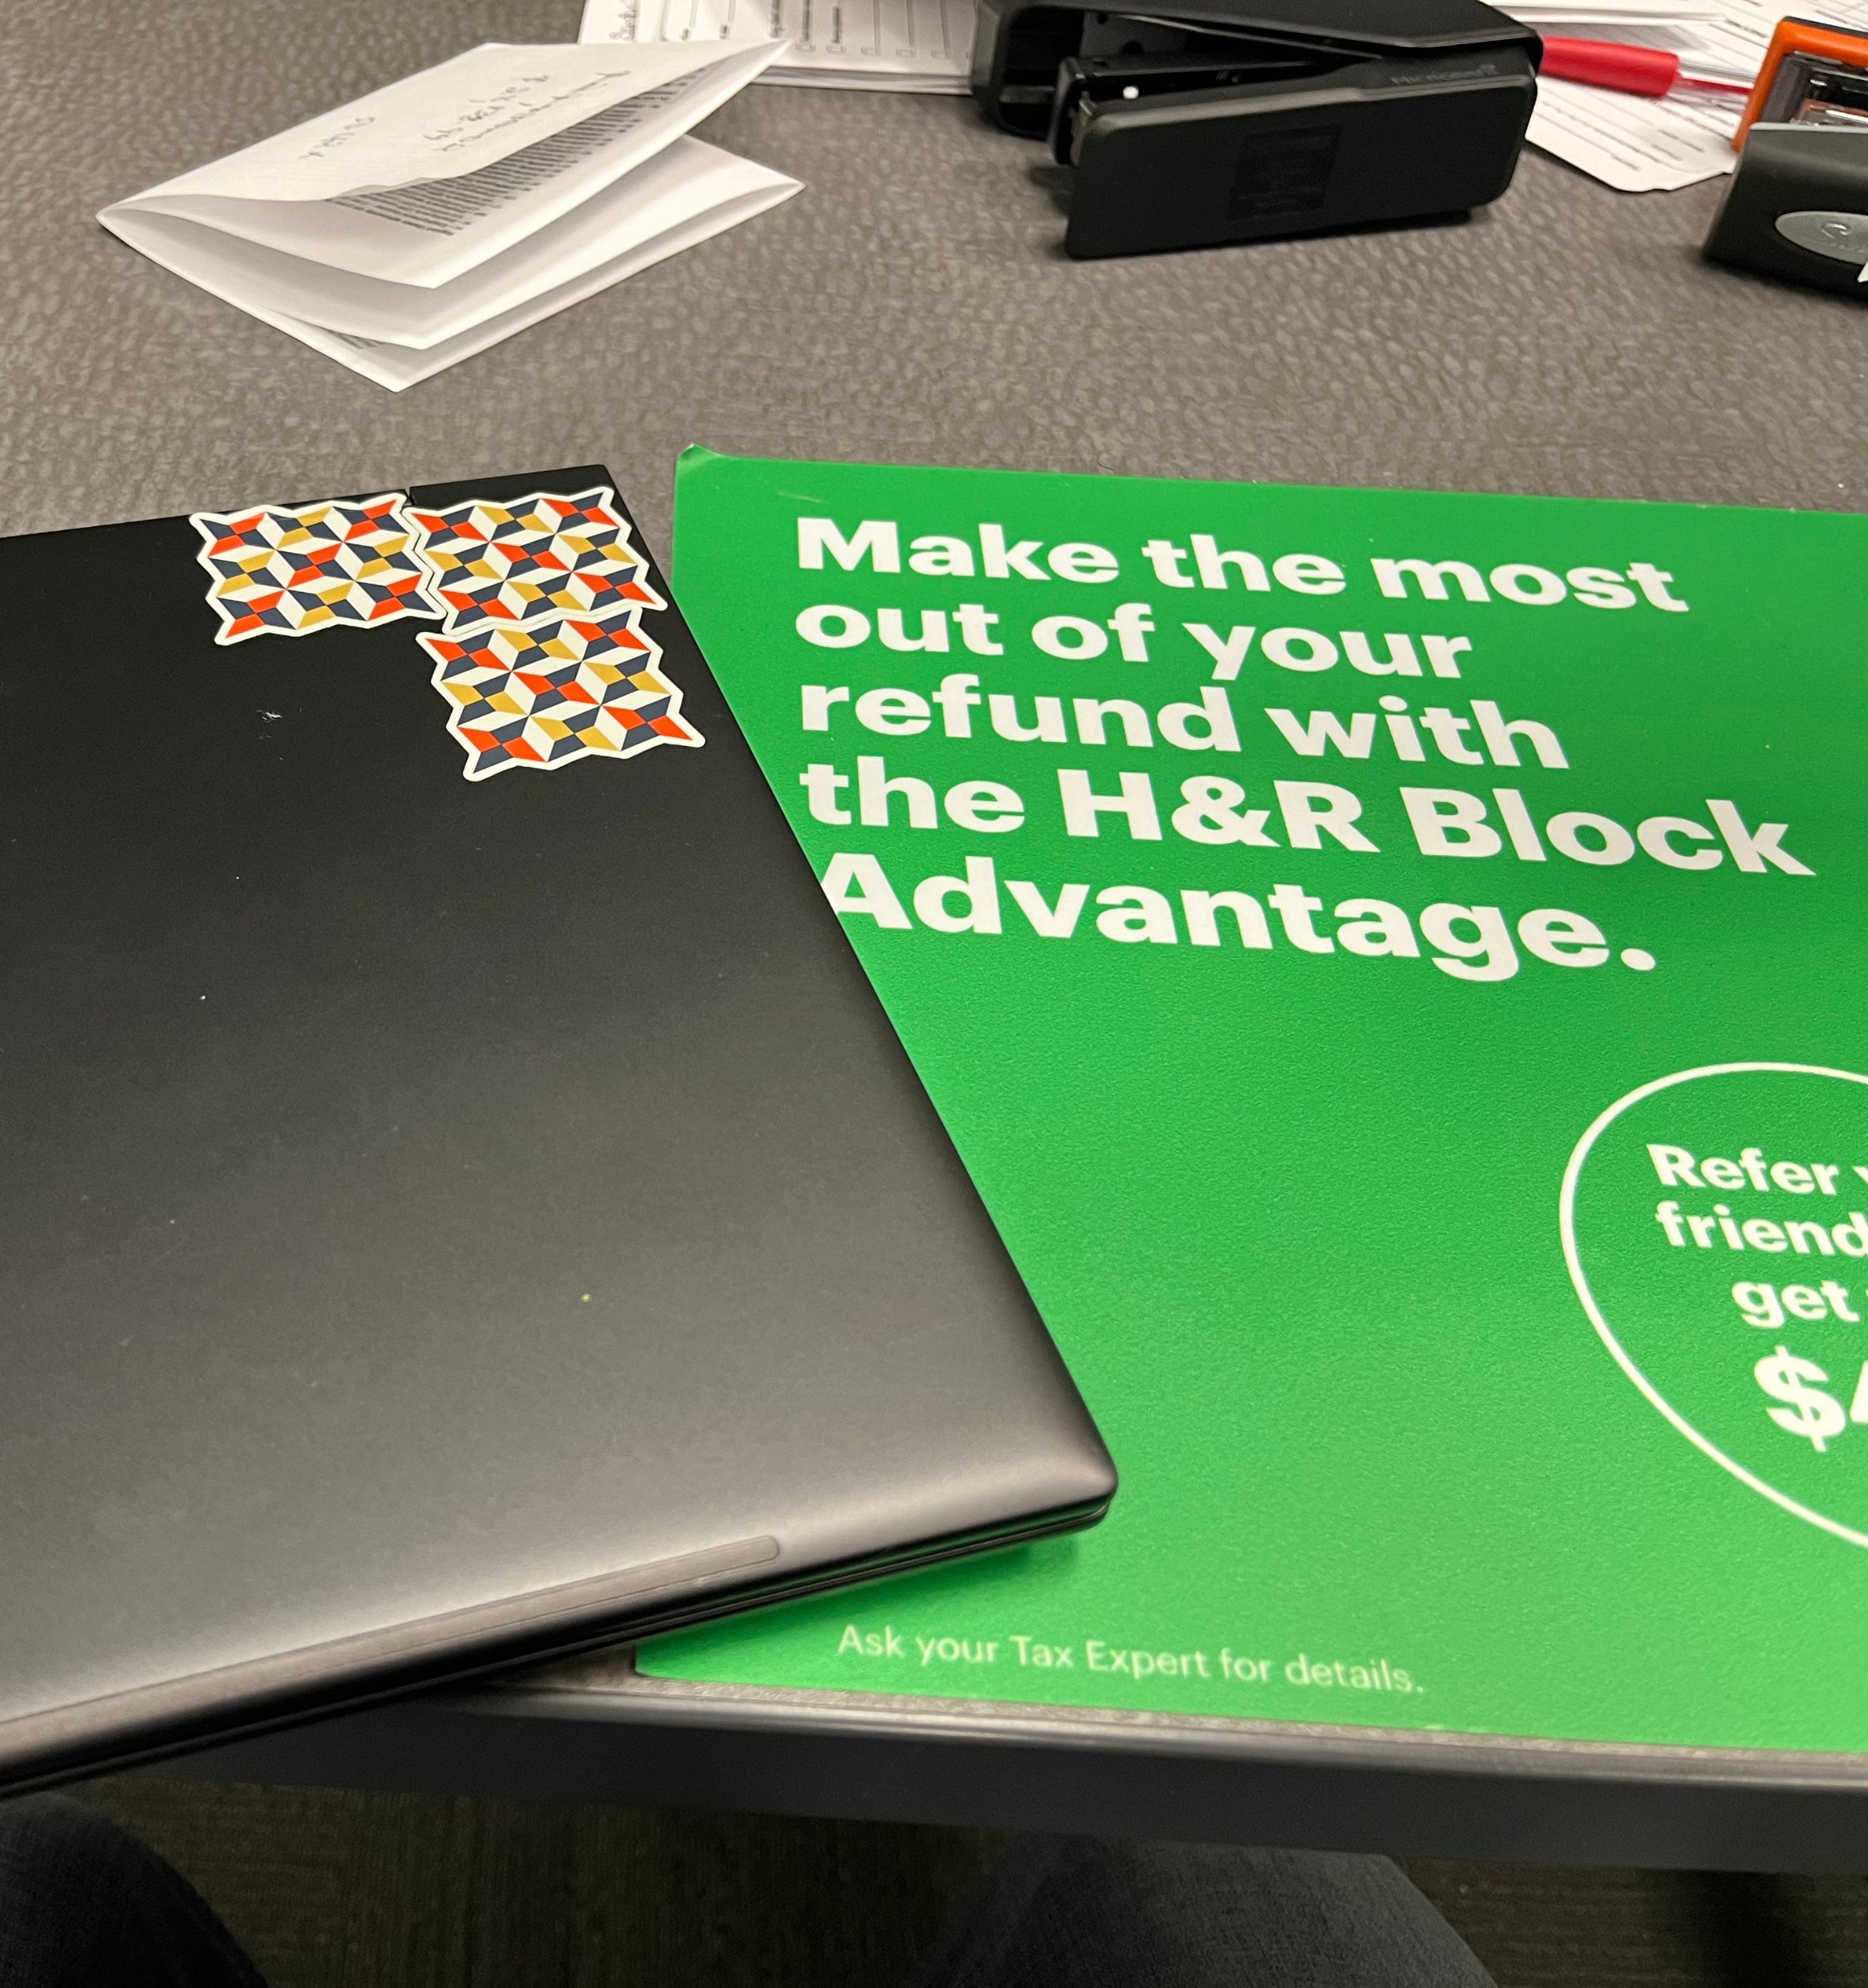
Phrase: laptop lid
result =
(460, 1196)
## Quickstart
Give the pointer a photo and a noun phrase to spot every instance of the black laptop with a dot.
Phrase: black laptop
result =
(460, 1198)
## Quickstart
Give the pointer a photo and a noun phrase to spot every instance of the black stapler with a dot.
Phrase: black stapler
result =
(1236, 120)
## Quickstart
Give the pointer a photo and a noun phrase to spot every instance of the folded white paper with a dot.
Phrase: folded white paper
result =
(924, 46)
(396, 366)
(427, 221)
(431, 176)
(678, 185)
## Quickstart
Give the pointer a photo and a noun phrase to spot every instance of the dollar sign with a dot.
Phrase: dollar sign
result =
(1784, 1376)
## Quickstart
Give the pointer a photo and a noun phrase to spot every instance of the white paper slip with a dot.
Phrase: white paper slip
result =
(1593, 24)
(434, 175)
(912, 45)
(678, 185)
(1646, 145)
(396, 366)
(1635, 144)
(1610, 13)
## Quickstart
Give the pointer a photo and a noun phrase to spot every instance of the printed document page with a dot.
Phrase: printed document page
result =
(1644, 144)
(1597, 20)
(1636, 144)
(427, 179)
(912, 45)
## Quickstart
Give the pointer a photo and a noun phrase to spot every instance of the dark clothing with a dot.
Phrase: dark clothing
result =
(1079, 1911)
(83, 1903)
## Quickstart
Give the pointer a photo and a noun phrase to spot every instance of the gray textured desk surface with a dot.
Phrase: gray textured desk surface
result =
(913, 305)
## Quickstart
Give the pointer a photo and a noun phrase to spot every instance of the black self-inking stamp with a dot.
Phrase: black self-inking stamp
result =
(1230, 121)
(1798, 208)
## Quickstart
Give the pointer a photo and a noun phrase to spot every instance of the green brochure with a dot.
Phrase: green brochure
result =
(1396, 966)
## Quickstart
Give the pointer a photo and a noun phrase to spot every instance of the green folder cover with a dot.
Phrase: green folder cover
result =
(1396, 966)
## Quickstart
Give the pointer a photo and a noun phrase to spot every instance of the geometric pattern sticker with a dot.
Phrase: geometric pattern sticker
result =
(285, 572)
(514, 561)
(570, 688)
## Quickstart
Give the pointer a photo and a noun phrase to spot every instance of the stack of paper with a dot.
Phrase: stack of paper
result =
(1644, 144)
(407, 230)
(917, 45)
(1602, 20)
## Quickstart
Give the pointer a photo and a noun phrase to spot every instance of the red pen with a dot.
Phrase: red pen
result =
(1639, 71)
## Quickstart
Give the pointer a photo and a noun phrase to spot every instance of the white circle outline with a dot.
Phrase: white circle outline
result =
(1566, 1218)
